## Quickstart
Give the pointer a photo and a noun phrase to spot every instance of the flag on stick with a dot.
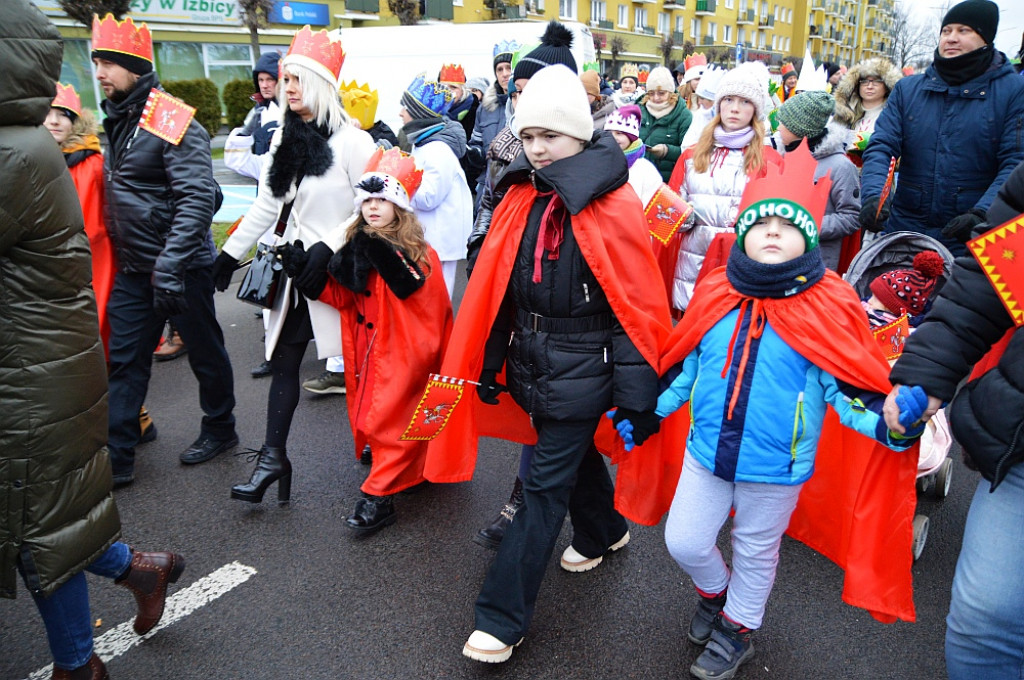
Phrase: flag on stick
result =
(887, 187)
(665, 213)
(892, 336)
(439, 400)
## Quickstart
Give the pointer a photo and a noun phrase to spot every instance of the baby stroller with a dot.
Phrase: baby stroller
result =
(897, 251)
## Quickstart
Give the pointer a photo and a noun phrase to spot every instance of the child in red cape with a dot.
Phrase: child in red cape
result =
(770, 340)
(396, 318)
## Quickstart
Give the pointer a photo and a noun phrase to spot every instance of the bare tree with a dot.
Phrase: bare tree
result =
(911, 38)
(617, 45)
(665, 47)
(82, 10)
(407, 11)
(255, 15)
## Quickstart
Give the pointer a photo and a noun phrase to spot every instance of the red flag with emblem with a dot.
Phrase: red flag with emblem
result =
(665, 213)
(166, 117)
(439, 400)
(1000, 252)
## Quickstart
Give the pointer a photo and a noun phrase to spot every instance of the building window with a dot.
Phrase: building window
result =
(663, 23)
(789, 14)
(741, 35)
(225, 63)
(787, 44)
(727, 34)
(728, 4)
(695, 29)
(598, 11)
(623, 17)
(681, 24)
(639, 19)
(776, 12)
(567, 9)
(713, 31)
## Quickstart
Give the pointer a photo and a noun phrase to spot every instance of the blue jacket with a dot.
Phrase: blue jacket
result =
(957, 145)
(776, 422)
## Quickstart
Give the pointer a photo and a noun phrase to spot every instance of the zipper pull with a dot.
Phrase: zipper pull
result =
(606, 355)
(586, 293)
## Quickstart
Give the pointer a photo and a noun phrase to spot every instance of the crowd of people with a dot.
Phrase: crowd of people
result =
(677, 241)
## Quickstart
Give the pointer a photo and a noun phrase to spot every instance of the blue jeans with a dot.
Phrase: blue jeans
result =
(134, 333)
(66, 612)
(985, 626)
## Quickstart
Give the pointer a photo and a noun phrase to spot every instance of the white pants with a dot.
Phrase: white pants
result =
(699, 509)
(448, 269)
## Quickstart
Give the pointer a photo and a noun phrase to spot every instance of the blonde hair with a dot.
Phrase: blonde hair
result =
(82, 127)
(404, 232)
(321, 98)
(753, 155)
(689, 95)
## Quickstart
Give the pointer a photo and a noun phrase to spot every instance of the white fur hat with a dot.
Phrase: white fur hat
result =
(749, 80)
(661, 79)
(554, 99)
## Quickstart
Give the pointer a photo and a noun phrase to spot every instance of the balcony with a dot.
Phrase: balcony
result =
(678, 38)
(745, 17)
(815, 33)
(817, 5)
(707, 40)
(674, 4)
(766, 21)
(606, 24)
(648, 30)
(706, 7)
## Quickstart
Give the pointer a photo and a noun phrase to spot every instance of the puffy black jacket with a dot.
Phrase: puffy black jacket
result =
(58, 514)
(569, 358)
(160, 196)
(987, 416)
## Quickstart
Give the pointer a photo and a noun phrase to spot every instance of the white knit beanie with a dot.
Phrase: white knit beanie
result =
(749, 80)
(554, 99)
(661, 79)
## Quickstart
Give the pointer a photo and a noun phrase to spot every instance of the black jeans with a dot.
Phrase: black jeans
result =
(134, 333)
(566, 473)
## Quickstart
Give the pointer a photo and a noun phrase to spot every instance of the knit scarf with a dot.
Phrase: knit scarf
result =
(737, 139)
(303, 151)
(958, 70)
(634, 152)
(418, 129)
(663, 109)
(758, 280)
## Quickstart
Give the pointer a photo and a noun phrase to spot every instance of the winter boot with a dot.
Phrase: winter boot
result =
(272, 465)
(92, 670)
(147, 577)
(708, 607)
(371, 514)
(728, 648)
(491, 535)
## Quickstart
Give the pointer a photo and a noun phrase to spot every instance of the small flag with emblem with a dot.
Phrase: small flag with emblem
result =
(892, 337)
(166, 117)
(1000, 252)
(439, 400)
(665, 213)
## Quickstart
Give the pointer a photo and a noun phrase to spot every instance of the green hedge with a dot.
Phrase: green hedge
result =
(237, 101)
(202, 94)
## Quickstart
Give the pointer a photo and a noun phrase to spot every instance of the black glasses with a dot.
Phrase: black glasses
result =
(874, 81)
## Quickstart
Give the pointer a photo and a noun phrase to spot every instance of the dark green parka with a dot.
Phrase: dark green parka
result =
(667, 130)
(58, 514)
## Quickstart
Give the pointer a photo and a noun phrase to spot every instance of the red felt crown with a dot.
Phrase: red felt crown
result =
(318, 51)
(644, 74)
(68, 99)
(452, 73)
(698, 59)
(122, 36)
(399, 165)
(787, 69)
(791, 184)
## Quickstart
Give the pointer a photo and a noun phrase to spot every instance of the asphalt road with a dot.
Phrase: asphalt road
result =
(326, 604)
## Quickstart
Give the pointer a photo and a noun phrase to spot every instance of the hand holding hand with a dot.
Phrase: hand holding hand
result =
(313, 277)
(908, 408)
(634, 427)
(489, 387)
(293, 258)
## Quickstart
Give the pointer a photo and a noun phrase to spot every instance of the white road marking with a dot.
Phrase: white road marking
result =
(120, 639)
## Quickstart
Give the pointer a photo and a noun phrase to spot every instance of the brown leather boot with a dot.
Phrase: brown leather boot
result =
(93, 670)
(148, 577)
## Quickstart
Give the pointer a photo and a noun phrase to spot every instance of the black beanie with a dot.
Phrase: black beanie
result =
(981, 15)
(136, 65)
(553, 49)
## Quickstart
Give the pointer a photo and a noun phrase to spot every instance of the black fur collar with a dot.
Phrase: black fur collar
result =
(303, 151)
(351, 266)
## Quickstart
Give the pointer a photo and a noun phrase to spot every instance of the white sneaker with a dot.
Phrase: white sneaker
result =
(485, 647)
(576, 563)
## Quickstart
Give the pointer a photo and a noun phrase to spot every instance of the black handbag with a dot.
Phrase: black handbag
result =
(263, 280)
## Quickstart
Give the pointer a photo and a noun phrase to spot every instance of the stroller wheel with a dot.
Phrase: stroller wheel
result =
(943, 480)
(920, 535)
(925, 484)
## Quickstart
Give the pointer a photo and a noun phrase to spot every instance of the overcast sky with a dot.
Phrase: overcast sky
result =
(1011, 20)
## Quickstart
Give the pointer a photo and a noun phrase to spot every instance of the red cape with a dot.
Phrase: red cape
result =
(385, 381)
(858, 507)
(88, 178)
(614, 238)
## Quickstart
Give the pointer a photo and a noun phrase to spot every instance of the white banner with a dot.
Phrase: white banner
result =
(217, 12)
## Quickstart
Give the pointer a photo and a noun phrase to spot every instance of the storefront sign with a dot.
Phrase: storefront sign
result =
(220, 12)
(300, 13)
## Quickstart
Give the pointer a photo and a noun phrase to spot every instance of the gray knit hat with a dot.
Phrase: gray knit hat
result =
(807, 114)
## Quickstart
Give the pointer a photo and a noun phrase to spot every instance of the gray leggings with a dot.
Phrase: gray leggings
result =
(700, 508)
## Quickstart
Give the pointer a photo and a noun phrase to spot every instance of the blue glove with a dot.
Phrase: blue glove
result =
(634, 427)
(912, 402)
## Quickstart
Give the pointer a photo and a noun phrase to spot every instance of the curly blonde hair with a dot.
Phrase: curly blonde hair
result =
(405, 232)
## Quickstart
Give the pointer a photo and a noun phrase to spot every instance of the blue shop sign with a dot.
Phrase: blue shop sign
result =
(300, 13)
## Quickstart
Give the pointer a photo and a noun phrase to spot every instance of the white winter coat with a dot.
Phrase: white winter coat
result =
(238, 155)
(443, 202)
(645, 179)
(701, 119)
(715, 197)
(322, 204)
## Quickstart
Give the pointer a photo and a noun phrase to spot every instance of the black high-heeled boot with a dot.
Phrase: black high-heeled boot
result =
(272, 465)
(491, 535)
(372, 514)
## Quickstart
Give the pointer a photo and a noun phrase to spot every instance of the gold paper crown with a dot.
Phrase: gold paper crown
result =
(125, 37)
(397, 164)
(452, 73)
(696, 59)
(318, 51)
(360, 102)
(68, 99)
(629, 71)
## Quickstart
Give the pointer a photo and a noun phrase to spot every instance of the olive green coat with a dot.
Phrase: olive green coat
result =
(667, 130)
(58, 514)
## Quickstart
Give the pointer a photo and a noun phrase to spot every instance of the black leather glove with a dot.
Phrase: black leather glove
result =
(313, 277)
(293, 258)
(645, 423)
(489, 387)
(868, 210)
(961, 227)
(223, 267)
(167, 303)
